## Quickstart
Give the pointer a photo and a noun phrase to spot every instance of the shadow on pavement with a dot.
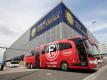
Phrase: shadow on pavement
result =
(85, 71)
(16, 75)
(23, 75)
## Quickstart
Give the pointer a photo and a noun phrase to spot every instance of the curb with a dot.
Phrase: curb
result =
(96, 74)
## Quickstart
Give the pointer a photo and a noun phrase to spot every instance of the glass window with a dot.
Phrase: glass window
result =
(60, 46)
(64, 46)
(87, 43)
(88, 47)
(14, 63)
(95, 50)
(91, 49)
(50, 48)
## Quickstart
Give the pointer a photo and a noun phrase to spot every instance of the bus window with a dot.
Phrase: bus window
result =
(91, 49)
(60, 46)
(63, 46)
(51, 48)
(95, 49)
(14, 62)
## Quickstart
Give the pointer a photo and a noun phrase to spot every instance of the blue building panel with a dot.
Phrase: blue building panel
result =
(50, 20)
(70, 19)
(57, 15)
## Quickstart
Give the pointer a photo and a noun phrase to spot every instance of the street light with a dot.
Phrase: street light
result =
(93, 22)
(93, 29)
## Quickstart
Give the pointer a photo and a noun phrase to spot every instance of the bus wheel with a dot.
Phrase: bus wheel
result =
(31, 66)
(28, 66)
(64, 66)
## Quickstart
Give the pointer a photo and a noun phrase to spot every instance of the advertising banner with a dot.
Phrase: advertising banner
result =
(50, 20)
(57, 15)
(70, 19)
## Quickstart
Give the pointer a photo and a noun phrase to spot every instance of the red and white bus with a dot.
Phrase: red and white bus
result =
(75, 53)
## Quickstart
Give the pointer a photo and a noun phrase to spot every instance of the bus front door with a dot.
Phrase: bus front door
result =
(81, 53)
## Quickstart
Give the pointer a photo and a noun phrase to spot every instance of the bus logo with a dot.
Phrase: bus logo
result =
(52, 51)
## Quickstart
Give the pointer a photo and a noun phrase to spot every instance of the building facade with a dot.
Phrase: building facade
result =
(102, 47)
(60, 23)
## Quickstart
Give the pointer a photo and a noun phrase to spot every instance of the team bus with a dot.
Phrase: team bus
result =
(75, 53)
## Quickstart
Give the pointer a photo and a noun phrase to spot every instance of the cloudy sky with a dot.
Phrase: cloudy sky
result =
(16, 16)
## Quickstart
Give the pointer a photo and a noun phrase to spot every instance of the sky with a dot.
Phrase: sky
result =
(16, 16)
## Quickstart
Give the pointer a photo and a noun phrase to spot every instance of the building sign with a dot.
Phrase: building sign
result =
(57, 15)
(70, 19)
(50, 20)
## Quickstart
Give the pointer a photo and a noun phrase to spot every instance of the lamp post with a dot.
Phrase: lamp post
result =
(93, 29)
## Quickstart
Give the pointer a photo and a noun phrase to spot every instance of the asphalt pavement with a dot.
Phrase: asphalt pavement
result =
(102, 75)
(43, 74)
(21, 73)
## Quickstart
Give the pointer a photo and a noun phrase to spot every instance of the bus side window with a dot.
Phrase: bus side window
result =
(50, 48)
(63, 46)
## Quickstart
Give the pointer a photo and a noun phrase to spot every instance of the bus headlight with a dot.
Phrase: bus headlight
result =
(93, 61)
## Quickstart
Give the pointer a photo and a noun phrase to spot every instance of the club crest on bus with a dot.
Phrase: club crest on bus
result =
(52, 51)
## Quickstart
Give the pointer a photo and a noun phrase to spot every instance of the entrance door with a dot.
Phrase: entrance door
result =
(81, 52)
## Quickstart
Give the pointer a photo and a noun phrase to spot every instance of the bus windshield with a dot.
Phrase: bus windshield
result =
(91, 49)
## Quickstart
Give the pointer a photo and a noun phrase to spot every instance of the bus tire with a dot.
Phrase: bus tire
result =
(64, 66)
(28, 66)
(31, 66)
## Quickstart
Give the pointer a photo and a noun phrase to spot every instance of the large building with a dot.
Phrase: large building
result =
(60, 23)
(102, 47)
